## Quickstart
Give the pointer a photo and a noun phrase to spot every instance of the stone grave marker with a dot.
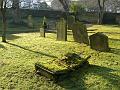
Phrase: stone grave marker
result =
(61, 30)
(43, 27)
(99, 42)
(42, 32)
(71, 20)
(80, 34)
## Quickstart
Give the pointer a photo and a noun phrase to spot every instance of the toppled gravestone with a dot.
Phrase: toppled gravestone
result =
(67, 64)
(80, 34)
(61, 30)
(99, 42)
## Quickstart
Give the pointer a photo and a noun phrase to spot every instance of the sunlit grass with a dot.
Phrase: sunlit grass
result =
(18, 56)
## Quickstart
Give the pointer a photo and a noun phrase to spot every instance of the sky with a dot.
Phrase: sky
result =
(47, 1)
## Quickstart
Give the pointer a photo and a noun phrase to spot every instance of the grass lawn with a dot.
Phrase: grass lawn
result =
(18, 56)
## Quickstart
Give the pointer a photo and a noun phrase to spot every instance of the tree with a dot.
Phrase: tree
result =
(4, 22)
(16, 11)
(101, 4)
(65, 4)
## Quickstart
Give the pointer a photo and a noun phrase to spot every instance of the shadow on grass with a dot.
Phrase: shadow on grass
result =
(92, 30)
(76, 80)
(114, 39)
(115, 51)
(11, 37)
(2, 46)
(104, 32)
(32, 50)
(118, 26)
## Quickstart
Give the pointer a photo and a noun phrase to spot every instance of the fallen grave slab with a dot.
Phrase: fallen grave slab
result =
(56, 74)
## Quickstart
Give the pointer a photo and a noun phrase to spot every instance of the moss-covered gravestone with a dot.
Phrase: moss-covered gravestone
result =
(80, 34)
(99, 42)
(30, 21)
(71, 20)
(61, 68)
(43, 27)
(61, 30)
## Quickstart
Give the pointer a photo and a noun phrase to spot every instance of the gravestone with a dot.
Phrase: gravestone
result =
(61, 30)
(43, 28)
(71, 20)
(99, 42)
(30, 21)
(42, 32)
(80, 34)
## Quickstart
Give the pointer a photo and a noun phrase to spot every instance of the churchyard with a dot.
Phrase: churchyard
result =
(72, 48)
(23, 50)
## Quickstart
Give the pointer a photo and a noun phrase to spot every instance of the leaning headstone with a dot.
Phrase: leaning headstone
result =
(30, 21)
(80, 34)
(71, 20)
(43, 27)
(99, 42)
(61, 30)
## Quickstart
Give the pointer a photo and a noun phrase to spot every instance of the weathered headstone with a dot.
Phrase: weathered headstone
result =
(61, 30)
(99, 42)
(80, 34)
(30, 21)
(43, 27)
(71, 20)
(42, 32)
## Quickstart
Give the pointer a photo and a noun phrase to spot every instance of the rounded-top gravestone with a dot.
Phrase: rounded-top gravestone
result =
(99, 42)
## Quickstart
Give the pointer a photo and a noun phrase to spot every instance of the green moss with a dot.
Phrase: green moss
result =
(68, 61)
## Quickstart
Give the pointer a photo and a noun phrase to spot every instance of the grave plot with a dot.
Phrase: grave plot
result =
(62, 67)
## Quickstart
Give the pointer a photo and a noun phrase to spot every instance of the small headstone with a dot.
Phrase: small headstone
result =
(61, 30)
(71, 20)
(99, 42)
(42, 32)
(80, 34)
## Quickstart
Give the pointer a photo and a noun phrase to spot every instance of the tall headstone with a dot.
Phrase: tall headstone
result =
(99, 42)
(71, 20)
(61, 30)
(43, 27)
(80, 34)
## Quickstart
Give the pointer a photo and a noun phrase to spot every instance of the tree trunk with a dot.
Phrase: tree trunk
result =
(16, 12)
(101, 11)
(3, 12)
(66, 8)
